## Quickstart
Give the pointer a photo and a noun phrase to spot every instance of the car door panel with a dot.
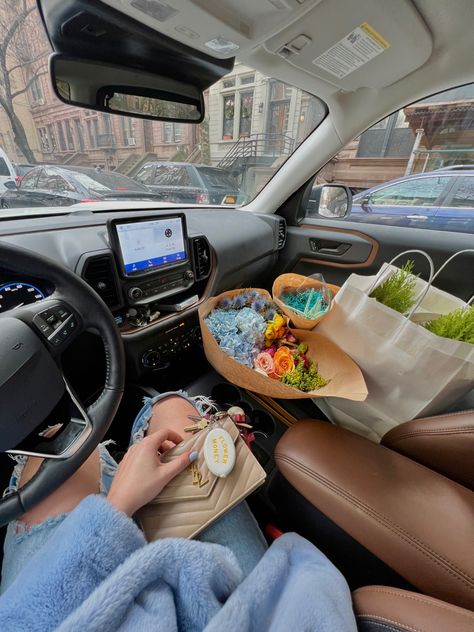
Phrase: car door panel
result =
(370, 246)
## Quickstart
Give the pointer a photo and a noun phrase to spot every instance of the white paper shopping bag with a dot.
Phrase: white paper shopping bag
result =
(409, 371)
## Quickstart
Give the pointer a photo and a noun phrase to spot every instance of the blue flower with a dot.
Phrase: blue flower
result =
(221, 323)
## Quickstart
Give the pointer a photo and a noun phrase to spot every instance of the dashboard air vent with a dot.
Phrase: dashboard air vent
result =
(202, 258)
(281, 233)
(99, 273)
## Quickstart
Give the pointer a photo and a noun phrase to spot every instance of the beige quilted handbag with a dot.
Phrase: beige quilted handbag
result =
(196, 498)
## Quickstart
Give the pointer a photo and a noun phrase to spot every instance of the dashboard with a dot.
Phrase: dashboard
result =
(153, 267)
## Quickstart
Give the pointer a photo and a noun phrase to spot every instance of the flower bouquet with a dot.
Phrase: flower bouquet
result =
(248, 341)
(304, 300)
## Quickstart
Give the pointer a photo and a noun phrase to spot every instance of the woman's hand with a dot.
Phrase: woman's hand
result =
(141, 475)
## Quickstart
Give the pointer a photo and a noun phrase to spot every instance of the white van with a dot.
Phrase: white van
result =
(7, 172)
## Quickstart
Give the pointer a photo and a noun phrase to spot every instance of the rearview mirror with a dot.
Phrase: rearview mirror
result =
(332, 201)
(10, 185)
(118, 90)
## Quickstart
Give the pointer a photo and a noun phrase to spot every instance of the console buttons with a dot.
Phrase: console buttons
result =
(135, 293)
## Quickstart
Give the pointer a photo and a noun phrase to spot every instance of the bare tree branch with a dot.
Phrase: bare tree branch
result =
(29, 61)
(27, 84)
(14, 25)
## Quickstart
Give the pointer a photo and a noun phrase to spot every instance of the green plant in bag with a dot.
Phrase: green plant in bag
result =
(457, 325)
(398, 291)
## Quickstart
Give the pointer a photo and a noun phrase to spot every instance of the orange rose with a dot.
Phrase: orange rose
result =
(283, 361)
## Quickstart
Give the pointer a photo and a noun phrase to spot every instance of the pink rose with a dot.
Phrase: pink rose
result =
(264, 362)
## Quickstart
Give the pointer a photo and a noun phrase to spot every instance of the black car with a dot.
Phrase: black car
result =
(187, 183)
(63, 186)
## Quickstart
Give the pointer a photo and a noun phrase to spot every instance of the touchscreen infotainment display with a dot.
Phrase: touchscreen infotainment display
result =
(150, 244)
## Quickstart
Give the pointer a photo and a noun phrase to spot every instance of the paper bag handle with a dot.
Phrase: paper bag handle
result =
(459, 252)
(424, 291)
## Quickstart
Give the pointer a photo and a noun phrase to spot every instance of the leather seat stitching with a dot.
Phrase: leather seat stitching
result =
(434, 603)
(377, 617)
(444, 563)
(447, 416)
(435, 431)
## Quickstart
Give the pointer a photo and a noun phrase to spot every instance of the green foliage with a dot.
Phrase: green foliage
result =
(457, 325)
(304, 379)
(398, 291)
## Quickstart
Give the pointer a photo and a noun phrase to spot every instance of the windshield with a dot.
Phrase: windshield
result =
(253, 123)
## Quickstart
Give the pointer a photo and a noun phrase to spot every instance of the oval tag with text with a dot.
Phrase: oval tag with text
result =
(219, 452)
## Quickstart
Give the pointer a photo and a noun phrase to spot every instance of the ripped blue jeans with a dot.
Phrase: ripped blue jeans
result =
(237, 529)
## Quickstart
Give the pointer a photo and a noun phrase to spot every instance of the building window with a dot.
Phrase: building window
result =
(228, 83)
(246, 107)
(244, 81)
(79, 133)
(229, 112)
(35, 90)
(127, 130)
(52, 138)
(389, 138)
(62, 140)
(178, 133)
(69, 135)
(90, 133)
(45, 144)
(95, 128)
(172, 133)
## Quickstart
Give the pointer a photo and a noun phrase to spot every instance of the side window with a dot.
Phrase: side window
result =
(4, 170)
(463, 196)
(28, 182)
(145, 175)
(172, 176)
(42, 180)
(416, 192)
(412, 169)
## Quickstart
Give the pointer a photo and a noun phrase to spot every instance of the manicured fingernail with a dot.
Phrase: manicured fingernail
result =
(193, 456)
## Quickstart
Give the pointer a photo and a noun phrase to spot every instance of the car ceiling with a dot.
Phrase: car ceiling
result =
(430, 49)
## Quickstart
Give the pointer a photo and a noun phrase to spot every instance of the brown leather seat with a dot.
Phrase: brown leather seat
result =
(444, 443)
(382, 609)
(417, 521)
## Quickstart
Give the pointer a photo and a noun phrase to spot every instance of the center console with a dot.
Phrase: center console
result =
(152, 277)
(153, 257)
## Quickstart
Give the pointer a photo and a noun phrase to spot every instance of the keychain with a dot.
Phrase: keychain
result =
(219, 449)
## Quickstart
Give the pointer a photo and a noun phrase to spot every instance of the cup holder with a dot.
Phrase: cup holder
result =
(225, 394)
(262, 422)
(245, 406)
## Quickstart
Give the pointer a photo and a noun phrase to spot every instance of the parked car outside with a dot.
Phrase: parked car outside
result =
(187, 183)
(62, 186)
(7, 171)
(21, 170)
(439, 200)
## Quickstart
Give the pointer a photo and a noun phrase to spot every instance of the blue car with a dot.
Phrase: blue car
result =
(438, 200)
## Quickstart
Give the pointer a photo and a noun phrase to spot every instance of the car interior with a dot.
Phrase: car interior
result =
(396, 516)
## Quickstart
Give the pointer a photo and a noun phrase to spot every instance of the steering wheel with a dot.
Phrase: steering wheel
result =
(33, 389)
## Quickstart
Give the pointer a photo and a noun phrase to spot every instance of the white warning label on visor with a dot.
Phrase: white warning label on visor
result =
(353, 51)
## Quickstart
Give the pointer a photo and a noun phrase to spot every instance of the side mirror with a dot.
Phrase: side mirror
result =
(332, 201)
(364, 204)
(118, 90)
(10, 185)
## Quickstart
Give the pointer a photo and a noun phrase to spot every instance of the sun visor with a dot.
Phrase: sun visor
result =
(368, 43)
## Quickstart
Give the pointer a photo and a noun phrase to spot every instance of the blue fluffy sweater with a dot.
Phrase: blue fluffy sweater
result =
(97, 573)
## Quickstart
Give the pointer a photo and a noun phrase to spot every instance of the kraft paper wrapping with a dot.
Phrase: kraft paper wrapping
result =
(292, 280)
(346, 379)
